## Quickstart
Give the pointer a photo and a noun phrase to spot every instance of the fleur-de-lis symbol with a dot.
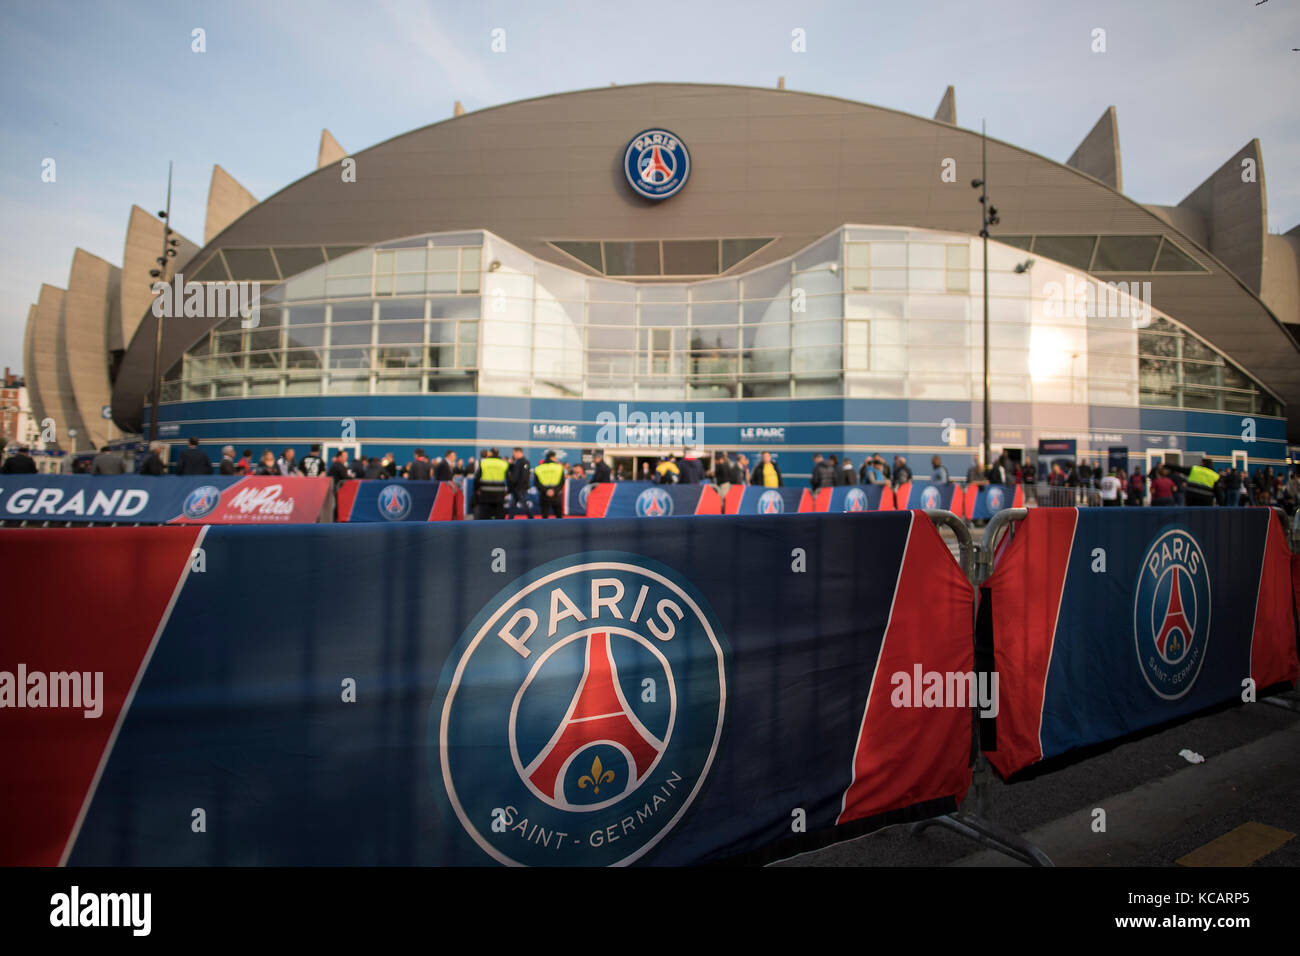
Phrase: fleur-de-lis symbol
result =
(597, 776)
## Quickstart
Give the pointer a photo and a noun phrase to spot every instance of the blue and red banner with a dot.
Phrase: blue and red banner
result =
(576, 491)
(1106, 622)
(540, 697)
(851, 498)
(399, 500)
(646, 499)
(166, 499)
(756, 500)
(928, 495)
(982, 502)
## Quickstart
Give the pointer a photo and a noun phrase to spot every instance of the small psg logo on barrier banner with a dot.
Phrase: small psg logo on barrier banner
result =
(656, 164)
(654, 503)
(1171, 613)
(855, 500)
(201, 501)
(394, 503)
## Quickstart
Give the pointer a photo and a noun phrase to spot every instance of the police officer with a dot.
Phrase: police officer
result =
(549, 477)
(1198, 491)
(490, 486)
(518, 481)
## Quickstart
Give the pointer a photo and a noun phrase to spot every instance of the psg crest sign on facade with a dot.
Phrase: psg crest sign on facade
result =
(656, 164)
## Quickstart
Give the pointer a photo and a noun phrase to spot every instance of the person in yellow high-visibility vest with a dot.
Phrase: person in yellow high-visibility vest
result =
(490, 486)
(766, 473)
(1201, 480)
(549, 478)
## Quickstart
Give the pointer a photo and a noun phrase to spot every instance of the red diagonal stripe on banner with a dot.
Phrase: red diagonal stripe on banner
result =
(911, 756)
(85, 600)
(1273, 641)
(1027, 586)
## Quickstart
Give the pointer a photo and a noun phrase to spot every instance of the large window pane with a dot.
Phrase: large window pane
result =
(1125, 253)
(632, 258)
(1074, 251)
(349, 358)
(350, 334)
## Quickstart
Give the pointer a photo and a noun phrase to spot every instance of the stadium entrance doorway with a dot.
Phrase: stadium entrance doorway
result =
(634, 463)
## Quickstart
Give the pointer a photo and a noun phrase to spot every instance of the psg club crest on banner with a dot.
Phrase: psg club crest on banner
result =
(201, 501)
(1171, 613)
(994, 498)
(855, 500)
(583, 494)
(930, 497)
(579, 716)
(771, 503)
(656, 164)
(394, 503)
(654, 503)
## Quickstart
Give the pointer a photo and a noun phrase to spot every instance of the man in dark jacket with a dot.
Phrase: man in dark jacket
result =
(823, 476)
(692, 470)
(19, 463)
(446, 468)
(518, 479)
(227, 464)
(419, 468)
(153, 463)
(599, 470)
(192, 461)
(902, 473)
(108, 462)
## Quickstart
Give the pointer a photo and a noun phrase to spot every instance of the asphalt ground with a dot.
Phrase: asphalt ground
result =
(1159, 807)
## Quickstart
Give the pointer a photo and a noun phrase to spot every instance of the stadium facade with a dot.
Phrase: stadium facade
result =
(752, 269)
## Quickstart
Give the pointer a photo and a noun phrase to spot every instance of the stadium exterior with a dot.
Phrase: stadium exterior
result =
(814, 284)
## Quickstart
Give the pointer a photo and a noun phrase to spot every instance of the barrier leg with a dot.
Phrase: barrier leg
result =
(976, 825)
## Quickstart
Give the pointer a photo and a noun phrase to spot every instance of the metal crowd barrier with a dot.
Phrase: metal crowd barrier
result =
(972, 819)
(1066, 496)
(974, 823)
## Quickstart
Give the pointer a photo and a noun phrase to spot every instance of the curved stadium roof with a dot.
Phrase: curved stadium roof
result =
(764, 163)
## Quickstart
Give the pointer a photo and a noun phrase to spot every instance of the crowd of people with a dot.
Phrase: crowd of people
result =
(502, 486)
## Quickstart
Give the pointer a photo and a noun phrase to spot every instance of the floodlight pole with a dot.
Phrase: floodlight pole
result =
(156, 394)
(984, 234)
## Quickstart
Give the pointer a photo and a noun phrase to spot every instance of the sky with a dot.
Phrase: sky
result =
(113, 90)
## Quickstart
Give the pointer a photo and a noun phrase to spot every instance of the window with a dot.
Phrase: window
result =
(658, 351)
(857, 356)
(1074, 251)
(1125, 253)
(857, 261)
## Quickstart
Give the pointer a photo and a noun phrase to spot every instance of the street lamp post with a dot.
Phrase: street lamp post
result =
(161, 275)
(988, 217)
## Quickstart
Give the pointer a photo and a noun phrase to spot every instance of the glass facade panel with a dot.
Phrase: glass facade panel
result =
(909, 325)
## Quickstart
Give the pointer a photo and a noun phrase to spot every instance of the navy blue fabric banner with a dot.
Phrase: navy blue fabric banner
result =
(109, 499)
(928, 495)
(855, 498)
(579, 693)
(1108, 622)
(754, 500)
(575, 497)
(994, 498)
(399, 500)
(646, 499)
